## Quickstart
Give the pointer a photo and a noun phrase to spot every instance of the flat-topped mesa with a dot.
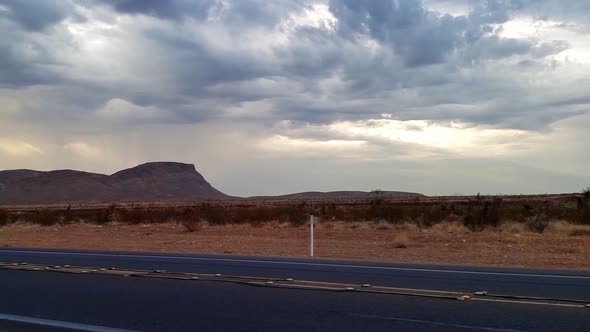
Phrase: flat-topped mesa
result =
(165, 180)
(147, 182)
(156, 169)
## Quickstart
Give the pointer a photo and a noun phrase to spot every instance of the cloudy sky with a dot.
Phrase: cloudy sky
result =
(271, 97)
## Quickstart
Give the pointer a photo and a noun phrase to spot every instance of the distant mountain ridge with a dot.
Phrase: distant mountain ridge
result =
(147, 182)
(339, 194)
(154, 181)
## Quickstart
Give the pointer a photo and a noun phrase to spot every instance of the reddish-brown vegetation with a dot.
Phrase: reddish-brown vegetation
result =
(475, 213)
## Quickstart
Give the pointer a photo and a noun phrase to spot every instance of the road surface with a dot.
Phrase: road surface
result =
(52, 301)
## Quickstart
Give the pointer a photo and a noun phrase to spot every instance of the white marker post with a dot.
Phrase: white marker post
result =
(311, 235)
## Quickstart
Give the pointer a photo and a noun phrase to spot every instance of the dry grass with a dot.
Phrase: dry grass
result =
(512, 228)
(406, 227)
(326, 225)
(401, 240)
(192, 225)
(453, 218)
(278, 224)
(344, 225)
(358, 225)
(382, 226)
(493, 246)
(560, 227)
(565, 228)
(449, 227)
(366, 226)
(580, 231)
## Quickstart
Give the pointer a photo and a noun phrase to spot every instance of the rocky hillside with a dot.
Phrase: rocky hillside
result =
(147, 182)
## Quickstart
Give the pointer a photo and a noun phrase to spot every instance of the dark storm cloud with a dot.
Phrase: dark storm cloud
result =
(420, 37)
(24, 63)
(16, 72)
(259, 12)
(36, 15)
(196, 64)
(168, 9)
(182, 70)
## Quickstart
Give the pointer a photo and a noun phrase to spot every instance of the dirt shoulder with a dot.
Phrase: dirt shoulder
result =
(446, 243)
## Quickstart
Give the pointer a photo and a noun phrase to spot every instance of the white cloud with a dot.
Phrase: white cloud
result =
(16, 148)
(316, 16)
(83, 150)
(297, 147)
(452, 7)
(120, 109)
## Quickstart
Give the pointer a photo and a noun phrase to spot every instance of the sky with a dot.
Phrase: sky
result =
(273, 97)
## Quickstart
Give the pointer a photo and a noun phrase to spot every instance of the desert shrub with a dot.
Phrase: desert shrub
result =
(253, 215)
(377, 195)
(376, 206)
(527, 209)
(479, 215)
(294, 214)
(494, 214)
(515, 212)
(45, 217)
(583, 215)
(538, 223)
(4, 217)
(160, 215)
(397, 213)
(68, 216)
(102, 216)
(472, 219)
(113, 211)
(401, 240)
(214, 215)
(191, 220)
(432, 215)
(327, 210)
(132, 215)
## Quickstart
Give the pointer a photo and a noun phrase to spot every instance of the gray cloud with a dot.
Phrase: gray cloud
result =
(24, 62)
(573, 11)
(255, 65)
(419, 36)
(173, 9)
(36, 15)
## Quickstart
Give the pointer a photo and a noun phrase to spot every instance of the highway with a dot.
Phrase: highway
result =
(47, 300)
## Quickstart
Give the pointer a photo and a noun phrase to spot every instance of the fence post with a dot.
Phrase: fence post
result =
(311, 235)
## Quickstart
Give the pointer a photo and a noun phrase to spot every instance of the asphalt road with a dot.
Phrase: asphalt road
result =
(49, 301)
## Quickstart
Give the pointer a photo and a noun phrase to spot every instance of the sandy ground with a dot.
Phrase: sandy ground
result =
(447, 243)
